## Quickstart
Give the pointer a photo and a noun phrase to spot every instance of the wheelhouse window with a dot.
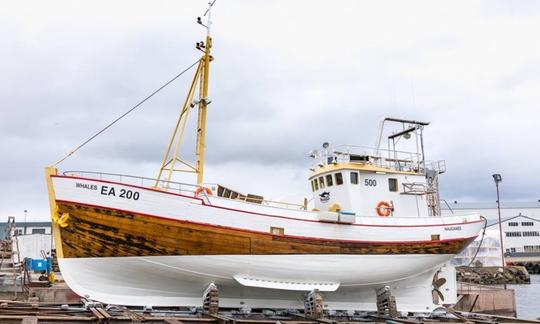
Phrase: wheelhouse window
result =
(513, 223)
(527, 224)
(329, 182)
(339, 178)
(321, 182)
(392, 184)
(354, 177)
(316, 184)
(312, 185)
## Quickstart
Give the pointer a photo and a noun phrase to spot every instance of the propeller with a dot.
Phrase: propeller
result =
(437, 282)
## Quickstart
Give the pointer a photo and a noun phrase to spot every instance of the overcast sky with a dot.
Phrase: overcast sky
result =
(287, 76)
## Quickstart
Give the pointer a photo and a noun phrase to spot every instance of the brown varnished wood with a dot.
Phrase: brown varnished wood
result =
(100, 232)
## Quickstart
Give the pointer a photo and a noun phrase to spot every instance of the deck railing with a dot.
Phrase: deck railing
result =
(178, 187)
(384, 158)
(170, 186)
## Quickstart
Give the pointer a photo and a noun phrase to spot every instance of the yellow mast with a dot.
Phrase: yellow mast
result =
(168, 166)
(203, 104)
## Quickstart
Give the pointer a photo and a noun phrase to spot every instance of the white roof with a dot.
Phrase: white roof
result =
(495, 221)
(455, 205)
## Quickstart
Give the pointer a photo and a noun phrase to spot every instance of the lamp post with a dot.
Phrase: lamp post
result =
(497, 177)
(25, 212)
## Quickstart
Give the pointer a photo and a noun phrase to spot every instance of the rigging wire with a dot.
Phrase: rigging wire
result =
(127, 112)
(480, 243)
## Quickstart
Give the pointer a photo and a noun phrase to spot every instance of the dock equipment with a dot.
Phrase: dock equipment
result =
(89, 312)
(313, 305)
(386, 303)
(211, 300)
(10, 259)
(41, 266)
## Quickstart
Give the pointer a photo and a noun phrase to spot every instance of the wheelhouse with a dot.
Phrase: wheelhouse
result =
(384, 182)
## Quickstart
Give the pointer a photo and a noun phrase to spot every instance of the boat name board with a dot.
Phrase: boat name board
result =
(452, 228)
(110, 191)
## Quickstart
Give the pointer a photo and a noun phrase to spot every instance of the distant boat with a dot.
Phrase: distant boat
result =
(375, 223)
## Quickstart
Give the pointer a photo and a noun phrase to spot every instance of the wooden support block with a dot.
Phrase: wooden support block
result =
(104, 313)
(30, 320)
(97, 314)
(313, 305)
(386, 303)
(211, 300)
(173, 321)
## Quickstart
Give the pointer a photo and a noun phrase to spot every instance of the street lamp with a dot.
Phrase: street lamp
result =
(25, 211)
(497, 178)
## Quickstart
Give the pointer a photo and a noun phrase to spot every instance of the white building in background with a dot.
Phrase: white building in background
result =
(521, 234)
(27, 228)
(520, 226)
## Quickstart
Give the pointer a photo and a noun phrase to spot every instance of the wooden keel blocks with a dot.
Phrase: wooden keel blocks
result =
(211, 300)
(313, 305)
(386, 303)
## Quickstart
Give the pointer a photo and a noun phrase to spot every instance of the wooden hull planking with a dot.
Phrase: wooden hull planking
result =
(106, 232)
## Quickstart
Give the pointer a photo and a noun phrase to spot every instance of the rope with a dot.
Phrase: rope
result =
(126, 113)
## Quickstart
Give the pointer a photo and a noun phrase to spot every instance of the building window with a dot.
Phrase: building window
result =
(38, 231)
(513, 223)
(531, 248)
(321, 182)
(531, 233)
(354, 177)
(329, 181)
(527, 224)
(316, 184)
(513, 234)
(339, 178)
(392, 184)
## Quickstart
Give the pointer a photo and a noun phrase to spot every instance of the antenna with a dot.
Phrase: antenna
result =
(208, 19)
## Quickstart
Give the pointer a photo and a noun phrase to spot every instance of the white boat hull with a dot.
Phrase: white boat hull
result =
(181, 280)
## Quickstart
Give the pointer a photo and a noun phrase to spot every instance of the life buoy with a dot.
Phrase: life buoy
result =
(199, 190)
(384, 209)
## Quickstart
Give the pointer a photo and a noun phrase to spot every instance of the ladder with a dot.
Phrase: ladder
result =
(10, 257)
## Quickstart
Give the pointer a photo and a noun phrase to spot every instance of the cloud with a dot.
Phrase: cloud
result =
(287, 76)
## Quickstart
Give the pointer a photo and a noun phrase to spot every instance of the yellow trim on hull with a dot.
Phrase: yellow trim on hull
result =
(49, 171)
(354, 166)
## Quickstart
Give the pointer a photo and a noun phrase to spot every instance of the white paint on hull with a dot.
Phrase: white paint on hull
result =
(259, 218)
(181, 280)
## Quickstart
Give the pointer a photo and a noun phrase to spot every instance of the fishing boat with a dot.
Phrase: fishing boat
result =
(373, 223)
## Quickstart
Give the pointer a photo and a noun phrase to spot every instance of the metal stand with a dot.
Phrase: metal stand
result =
(211, 300)
(386, 303)
(313, 305)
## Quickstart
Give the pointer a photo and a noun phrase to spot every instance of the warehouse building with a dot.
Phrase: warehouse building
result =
(27, 228)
